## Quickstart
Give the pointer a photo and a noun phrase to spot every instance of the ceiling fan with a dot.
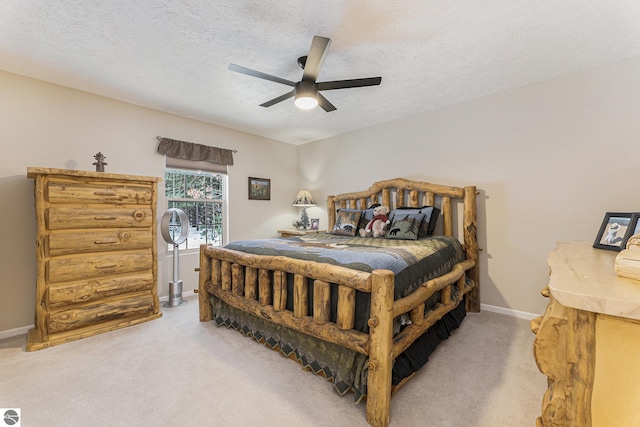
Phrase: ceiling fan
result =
(307, 91)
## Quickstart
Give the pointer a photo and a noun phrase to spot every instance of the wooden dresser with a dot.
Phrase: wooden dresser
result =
(96, 254)
(588, 341)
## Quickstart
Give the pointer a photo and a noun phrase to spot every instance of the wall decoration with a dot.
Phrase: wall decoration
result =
(613, 231)
(259, 188)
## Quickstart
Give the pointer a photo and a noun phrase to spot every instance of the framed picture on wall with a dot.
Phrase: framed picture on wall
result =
(259, 188)
(613, 231)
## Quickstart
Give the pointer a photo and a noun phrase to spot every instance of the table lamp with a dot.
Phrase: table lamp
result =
(304, 200)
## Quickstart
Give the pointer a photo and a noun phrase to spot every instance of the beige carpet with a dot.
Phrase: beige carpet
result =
(176, 371)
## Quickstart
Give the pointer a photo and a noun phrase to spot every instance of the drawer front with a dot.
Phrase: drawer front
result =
(100, 311)
(74, 268)
(94, 289)
(98, 241)
(72, 192)
(70, 218)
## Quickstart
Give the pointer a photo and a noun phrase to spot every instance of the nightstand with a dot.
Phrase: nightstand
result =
(293, 232)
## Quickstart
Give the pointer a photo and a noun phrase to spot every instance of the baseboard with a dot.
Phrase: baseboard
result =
(14, 332)
(508, 311)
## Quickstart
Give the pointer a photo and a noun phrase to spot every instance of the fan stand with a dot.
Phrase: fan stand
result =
(175, 286)
(169, 219)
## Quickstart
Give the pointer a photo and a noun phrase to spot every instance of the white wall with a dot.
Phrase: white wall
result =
(549, 159)
(46, 125)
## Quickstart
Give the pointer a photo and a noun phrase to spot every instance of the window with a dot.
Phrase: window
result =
(201, 196)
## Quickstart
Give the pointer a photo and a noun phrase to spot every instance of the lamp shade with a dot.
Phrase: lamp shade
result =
(304, 199)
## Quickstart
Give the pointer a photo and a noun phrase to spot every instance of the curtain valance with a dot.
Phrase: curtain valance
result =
(196, 152)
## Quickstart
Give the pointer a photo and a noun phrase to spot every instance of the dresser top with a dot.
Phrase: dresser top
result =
(583, 277)
(33, 171)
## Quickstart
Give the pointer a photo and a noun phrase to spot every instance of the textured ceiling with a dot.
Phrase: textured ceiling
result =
(173, 55)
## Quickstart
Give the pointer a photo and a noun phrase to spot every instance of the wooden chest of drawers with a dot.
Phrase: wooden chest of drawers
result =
(96, 254)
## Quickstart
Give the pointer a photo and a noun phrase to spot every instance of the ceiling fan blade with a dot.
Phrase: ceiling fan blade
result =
(278, 99)
(344, 84)
(260, 75)
(315, 58)
(325, 104)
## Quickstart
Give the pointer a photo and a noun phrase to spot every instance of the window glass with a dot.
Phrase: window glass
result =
(201, 196)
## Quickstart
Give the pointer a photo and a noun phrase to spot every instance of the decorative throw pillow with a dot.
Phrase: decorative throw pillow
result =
(405, 226)
(347, 222)
(428, 224)
(352, 210)
(365, 217)
(431, 214)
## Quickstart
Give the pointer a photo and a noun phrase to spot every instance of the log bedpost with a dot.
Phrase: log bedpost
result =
(300, 296)
(331, 213)
(386, 198)
(399, 197)
(204, 274)
(380, 348)
(470, 224)
(413, 198)
(447, 216)
(251, 283)
(321, 302)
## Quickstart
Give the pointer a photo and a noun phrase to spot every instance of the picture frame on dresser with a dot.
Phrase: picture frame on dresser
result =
(634, 228)
(613, 231)
(315, 224)
(259, 188)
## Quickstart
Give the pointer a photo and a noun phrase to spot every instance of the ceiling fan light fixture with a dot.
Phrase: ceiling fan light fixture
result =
(306, 94)
(306, 102)
(307, 91)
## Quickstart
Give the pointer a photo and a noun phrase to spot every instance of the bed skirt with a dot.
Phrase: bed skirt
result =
(346, 368)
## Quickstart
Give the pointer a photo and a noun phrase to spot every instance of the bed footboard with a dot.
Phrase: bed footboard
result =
(257, 284)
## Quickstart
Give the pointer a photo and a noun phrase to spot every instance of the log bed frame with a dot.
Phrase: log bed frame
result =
(235, 277)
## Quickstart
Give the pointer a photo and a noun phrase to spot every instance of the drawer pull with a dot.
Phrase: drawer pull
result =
(534, 324)
(106, 266)
(138, 215)
(106, 241)
(104, 193)
(104, 218)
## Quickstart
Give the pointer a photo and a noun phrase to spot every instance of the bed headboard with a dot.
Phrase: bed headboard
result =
(402, 192)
